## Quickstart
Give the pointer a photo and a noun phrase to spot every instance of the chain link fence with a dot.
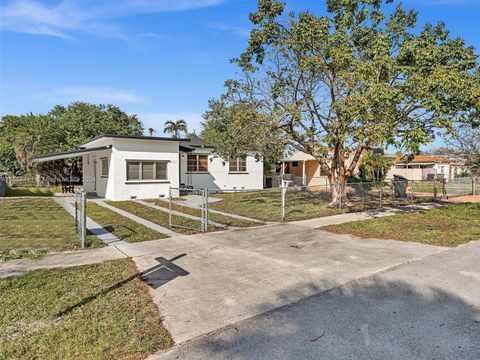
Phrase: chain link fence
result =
(241, 208)
(191, 204)
(41, 185)
(31, 226)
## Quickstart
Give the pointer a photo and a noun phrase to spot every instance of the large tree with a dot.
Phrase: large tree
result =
(237, 129)
(465, 145)
(63, 128)
(334, 86)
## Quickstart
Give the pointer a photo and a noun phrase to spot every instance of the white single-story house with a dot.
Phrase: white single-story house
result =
(422, 168)
(120, 167)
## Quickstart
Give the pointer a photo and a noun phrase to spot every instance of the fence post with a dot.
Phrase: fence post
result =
(435, 188)
(474, 186)
(170, 206)
(83, 218)
(206, 208)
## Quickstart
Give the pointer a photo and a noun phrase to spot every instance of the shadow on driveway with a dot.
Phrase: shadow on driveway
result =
(366, 319)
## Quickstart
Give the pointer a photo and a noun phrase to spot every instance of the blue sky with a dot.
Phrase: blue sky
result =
(160, 59)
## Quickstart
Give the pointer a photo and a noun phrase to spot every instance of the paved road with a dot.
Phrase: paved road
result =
(425, 309)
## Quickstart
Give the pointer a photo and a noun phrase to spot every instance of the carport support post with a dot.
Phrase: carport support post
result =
(284, 190)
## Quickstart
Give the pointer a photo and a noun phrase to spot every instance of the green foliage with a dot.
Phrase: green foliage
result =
(374, 167)
(361, 76)
(62, 129)
(237, 129)
(175, 127)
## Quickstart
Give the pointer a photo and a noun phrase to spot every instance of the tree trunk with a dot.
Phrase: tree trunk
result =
(338, 186)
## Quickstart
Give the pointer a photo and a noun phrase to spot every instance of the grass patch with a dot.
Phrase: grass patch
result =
(266, 205)
(100, 311)
(120, 226)
(37, 224)
(301, 204)
(158, 217)
(14, 254)
(443, 226)
(221, 219)
(33, 190)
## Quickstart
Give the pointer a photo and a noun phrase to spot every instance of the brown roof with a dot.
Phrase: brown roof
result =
(422, 159)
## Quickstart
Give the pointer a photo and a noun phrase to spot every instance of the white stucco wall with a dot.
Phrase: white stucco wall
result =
(116, 187)
(92, 180)
(218, 175)
(132, 149)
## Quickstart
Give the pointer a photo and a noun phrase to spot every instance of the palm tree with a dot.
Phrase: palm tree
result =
(175, 127)
(151, 131)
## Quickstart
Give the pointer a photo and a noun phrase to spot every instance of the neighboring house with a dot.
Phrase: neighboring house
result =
(422, 168)
(118, 167)
(304, 170)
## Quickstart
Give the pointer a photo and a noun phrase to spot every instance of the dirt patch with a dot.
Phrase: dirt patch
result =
(465, 199)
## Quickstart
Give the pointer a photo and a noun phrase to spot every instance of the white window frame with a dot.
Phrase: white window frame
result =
(197, 164)
(102, 160)
(140, 170)
(237, 161)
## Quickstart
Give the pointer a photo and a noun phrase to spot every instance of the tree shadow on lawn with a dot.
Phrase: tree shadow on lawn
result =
(370, 319)
(155, 277)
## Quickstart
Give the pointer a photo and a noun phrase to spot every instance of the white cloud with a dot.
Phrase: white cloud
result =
(66, 17)
(156, 120)
(238, 30)
(92, 94)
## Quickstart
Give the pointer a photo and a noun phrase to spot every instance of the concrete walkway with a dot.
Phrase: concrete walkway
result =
(63, 259)
(95, 228)
(137, 219)
(343, 218)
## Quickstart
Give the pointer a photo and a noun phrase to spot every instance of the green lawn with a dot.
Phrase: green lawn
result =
(120, 226)
(159, 217)
(450, 225)
(452, 188)
(100, 311)
(33, 190)
(30, 227)
(225, 220)
(266, 205)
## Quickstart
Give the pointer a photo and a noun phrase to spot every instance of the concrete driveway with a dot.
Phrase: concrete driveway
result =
(426, 309)
(205, 282)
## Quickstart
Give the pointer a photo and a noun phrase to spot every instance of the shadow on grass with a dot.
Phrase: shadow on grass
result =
(155, 277)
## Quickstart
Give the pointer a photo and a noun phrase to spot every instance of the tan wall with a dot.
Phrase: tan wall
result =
(410, 174)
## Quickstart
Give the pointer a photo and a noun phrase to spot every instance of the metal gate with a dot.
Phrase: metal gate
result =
(194, 199)
(81, 216)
